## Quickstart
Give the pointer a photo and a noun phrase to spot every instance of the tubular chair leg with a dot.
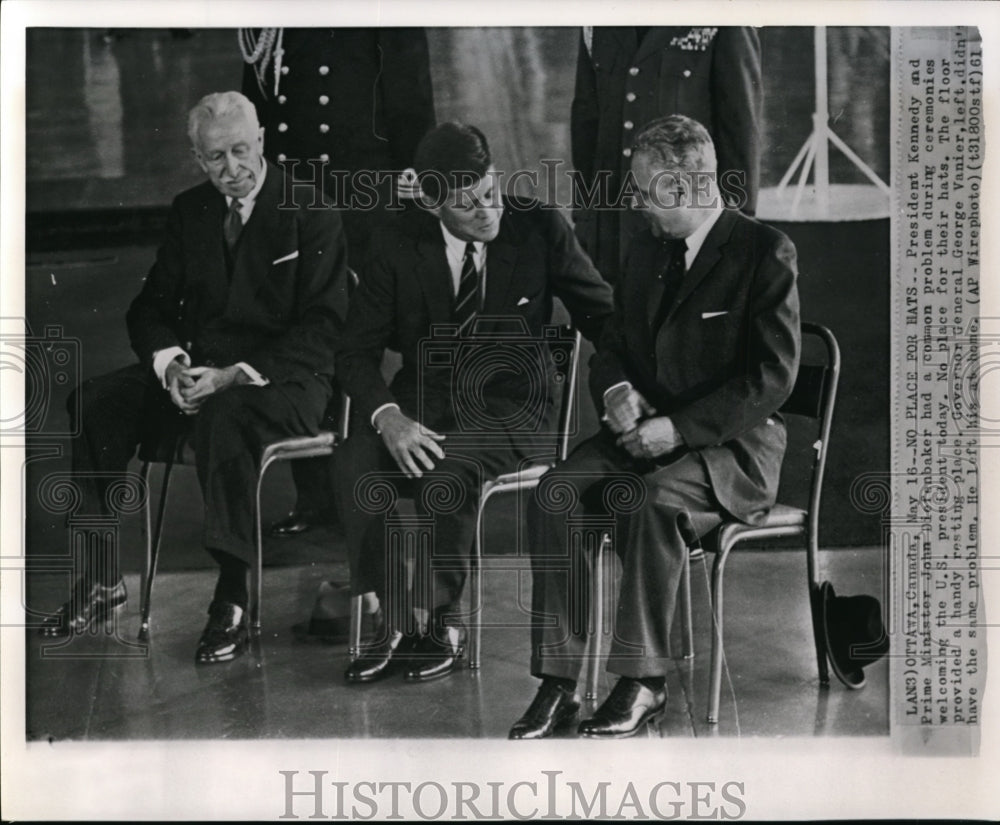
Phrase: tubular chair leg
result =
(154, 533)
(715, 680)
(684, 605)
(816, 609)
(354, 643)
(593, 657)
(476, 590)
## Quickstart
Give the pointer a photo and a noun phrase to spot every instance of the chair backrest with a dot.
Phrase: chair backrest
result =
(567, 371)
(814, 396)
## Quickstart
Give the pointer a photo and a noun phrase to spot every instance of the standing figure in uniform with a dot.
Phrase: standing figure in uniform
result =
(343, 109)
(629, 75)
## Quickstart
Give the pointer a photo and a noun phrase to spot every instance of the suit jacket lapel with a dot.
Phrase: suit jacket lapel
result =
(253, 253)
(708, 257)
(501, 259)
(433, 273)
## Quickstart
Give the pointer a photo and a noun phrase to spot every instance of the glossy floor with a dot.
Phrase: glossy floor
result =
(107, 687)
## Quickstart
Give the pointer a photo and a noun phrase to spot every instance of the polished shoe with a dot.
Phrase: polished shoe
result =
(225, 636)
(298, 521)
(629, 707)
(436, 654)
(379, 660)
(87, 606)
(552, 707)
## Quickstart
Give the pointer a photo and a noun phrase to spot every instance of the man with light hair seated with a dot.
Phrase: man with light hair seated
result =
(235, 330)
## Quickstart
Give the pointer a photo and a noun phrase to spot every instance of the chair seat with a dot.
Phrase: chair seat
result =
(531, 473)
(781, 521)
(301, 446)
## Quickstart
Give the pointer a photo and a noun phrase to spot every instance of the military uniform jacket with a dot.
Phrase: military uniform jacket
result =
(712, 75)
(359, 98)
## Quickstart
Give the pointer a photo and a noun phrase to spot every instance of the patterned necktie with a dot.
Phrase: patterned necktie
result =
(672, 275)
(466, 301)
(233, 225)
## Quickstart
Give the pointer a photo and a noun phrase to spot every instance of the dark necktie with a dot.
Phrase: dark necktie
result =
(466, 301)
(233, 225)
(672, 275)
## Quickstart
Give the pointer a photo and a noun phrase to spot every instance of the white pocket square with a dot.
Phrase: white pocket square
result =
(706, 315)
(523, 301)
(289, 257)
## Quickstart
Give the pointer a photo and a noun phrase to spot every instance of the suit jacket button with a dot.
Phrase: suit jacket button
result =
(284, 69)
(324, 127)
(630, 97)
(282, 98)
(634, 70)
(323, 100)
(282, 127)
(627, 152)
(324, 70)
(687, 73)
(324, 157)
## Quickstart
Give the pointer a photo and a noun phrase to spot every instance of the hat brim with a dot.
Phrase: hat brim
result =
(851, 676)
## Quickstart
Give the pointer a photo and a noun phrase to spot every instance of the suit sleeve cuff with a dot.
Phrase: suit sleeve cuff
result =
(161, 358)
(615, 387)
(255, 377)
(378, 410)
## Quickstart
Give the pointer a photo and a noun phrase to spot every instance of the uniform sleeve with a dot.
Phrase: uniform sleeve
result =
(406, 90)
(737, 109)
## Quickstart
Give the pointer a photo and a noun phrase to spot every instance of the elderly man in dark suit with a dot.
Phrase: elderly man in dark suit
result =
(235, 329)
(701, 353)
(629, 75)
(488, 268)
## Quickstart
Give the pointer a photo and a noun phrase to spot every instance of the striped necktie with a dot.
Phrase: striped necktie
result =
(466, 301)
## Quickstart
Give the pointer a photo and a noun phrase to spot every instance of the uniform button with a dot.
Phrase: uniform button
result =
(634, 71)
(324, 70)
(324, 157)
(628, 124)
(282, 156)
(630, 97)
(324, 127)
(282, 98)
(284, 69)
(282, 127)
(687, 73)
(627, 152)
(323, 100)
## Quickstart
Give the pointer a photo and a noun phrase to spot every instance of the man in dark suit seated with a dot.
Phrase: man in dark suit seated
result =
(235, 329)
(701, 352)
(487, 267)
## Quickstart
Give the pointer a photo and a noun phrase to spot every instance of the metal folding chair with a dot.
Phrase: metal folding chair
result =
(813, 397)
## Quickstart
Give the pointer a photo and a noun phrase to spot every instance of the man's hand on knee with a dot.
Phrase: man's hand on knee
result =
(409, 443)
(206, 381)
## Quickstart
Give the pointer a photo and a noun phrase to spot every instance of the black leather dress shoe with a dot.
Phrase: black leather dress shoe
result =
(435, 655)
(552, 706)
(225, 636)
(88, 605)
(629, 707)
(298, 521)
(382, 659)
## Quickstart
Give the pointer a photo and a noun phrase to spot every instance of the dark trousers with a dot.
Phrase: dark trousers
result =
(124, 408)
(654, 511)
(368, 484)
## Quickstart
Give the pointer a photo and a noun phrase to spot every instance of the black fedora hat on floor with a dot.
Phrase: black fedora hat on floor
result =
(855, 635)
